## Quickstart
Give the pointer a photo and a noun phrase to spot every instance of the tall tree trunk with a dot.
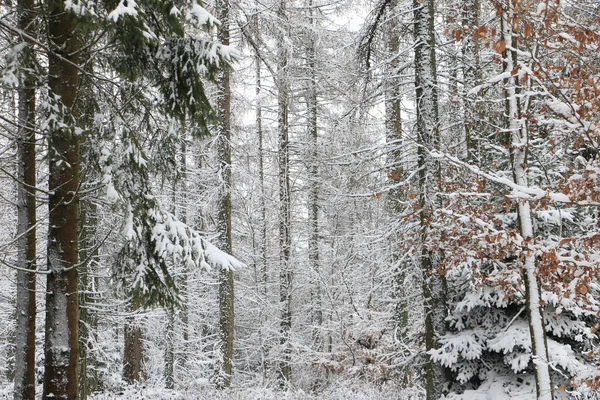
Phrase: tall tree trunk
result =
(62, 305)
(226, 286)
(519, 146)
(427, 130)
(313, 180)
(185, 317)
(174, 355)
(26, 220)
(285, 239)
(264, 272)
(394, 138)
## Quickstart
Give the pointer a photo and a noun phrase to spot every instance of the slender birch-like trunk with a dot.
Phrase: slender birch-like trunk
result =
(518, 148)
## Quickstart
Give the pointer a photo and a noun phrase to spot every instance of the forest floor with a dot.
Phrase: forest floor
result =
(339, 393)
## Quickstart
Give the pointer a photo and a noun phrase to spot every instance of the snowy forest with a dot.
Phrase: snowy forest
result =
(300, 199)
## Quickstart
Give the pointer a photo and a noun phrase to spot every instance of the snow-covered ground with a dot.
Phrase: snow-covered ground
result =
(340, 392)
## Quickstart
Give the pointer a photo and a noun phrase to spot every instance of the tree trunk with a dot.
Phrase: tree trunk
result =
(427, 130)
(26, 221)
(170, 350)
(394, 138)
(133, 355)
(89, 380)
(472, 77)
(313, 181)
(62, 308)
(519, 144)
(285, 240)
(226, 286)
(264, 272)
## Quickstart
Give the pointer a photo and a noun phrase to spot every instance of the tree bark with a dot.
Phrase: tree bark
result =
(170, 350)
(472, 76)
(313, 180)
(133, 355)
(26, 219)
(285, 239)
(226, 284)
(394, 138)
(427, 130)
(262, 281)
(62, 305)
(518, 150)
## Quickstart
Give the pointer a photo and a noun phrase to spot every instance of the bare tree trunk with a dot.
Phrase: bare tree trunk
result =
(427, 130)
(285, 239)
(133, 356)
(519, 146)
(313, 180)
(472, 77)
(264, 272)
(62, 305)
(26, 223)
(176, 353)
(226, 286)
(394, 137)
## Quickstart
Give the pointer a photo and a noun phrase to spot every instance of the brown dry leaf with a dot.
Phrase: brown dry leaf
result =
(482, 31)
(528, 30)
(458, 34)
(500, 46)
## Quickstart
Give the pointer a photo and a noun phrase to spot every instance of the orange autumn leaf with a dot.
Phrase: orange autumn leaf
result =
(481, 31)
(500, 46)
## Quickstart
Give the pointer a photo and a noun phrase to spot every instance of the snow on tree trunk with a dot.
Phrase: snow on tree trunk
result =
(393, 127)
(472, 75)
(313, 180)
(427, 131)
(262, 272)
(285, 238)
(226, 284)
(62, 305)
(26, 221)
(519, 143)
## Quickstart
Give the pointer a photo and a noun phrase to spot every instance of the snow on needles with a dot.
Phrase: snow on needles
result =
(125, 7)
